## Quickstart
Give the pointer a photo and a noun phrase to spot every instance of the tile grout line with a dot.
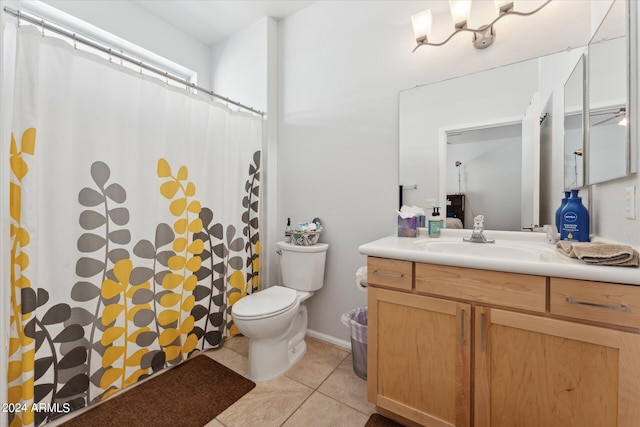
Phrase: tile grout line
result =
(299, 406)
(314, 390)
(331, 397)
(334, 369)
(344, 403)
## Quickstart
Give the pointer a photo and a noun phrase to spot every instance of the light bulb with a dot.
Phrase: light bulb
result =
(460, 10)
(422, 23)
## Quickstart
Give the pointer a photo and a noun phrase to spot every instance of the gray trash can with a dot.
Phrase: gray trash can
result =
(356, 321)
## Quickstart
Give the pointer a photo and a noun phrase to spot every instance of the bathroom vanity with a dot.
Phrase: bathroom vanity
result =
(500, 335)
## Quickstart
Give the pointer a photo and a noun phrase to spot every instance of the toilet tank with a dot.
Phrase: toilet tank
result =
(302, 267)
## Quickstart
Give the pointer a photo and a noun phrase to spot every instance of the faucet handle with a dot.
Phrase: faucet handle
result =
(552, 234)
(478, 221)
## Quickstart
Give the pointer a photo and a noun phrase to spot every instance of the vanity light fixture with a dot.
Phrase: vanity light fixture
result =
(482, 37)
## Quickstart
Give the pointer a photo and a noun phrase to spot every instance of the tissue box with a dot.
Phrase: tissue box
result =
(408, 227)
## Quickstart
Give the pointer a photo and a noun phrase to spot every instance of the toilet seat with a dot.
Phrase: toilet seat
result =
(268, 303)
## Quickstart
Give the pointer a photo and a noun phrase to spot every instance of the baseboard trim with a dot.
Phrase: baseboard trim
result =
(329, 339)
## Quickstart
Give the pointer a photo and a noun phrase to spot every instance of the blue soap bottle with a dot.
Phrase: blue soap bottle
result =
(575, 219)
(558, 212)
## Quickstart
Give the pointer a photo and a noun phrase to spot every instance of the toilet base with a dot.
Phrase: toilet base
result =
(271, 357)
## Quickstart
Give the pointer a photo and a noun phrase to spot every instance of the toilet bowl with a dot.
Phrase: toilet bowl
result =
(275, 319)
(276, 330)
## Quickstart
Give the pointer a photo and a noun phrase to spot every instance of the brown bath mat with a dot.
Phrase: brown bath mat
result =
(188, 395)
(377, 420)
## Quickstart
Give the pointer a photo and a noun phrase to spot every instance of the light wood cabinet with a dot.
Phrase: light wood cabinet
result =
(596, 301)
(420, 364)
(520, 291)
(538, 371)
(466, 347)
(390, 273)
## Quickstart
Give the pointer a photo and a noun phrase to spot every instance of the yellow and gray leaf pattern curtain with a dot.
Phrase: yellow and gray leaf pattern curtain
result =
(134, 226)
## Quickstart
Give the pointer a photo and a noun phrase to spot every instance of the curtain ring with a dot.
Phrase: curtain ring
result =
(19, 16)
(75, 44)
(42, 25)
(166, 76)
(110, 57)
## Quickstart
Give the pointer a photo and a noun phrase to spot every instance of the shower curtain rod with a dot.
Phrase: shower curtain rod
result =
(33, 19)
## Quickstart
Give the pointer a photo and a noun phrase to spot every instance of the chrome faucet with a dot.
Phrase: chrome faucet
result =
(477, 235)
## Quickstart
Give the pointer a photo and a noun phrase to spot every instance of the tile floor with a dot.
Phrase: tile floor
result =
(320, 390)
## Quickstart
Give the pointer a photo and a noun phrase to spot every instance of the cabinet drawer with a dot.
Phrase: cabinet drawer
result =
(489, 287)
(390, 273)
(596, 301)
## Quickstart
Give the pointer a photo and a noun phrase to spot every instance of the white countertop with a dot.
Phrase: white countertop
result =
(544, 261)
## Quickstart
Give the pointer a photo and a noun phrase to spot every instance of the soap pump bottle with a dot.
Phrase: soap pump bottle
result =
(435, 222)
(559, 211)
(288, 231)
(575, 219)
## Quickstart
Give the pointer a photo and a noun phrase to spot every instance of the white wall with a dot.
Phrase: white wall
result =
(245, 69)
(341, 67)
(239, 65)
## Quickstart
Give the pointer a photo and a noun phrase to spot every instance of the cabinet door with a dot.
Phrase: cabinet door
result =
(536, 371)
(419, 357)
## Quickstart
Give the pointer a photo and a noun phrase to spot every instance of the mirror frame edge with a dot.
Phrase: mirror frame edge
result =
(632, 87)
(583, 62)
(631, 23)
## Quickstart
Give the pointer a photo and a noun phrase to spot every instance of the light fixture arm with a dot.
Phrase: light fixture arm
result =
(486, 39)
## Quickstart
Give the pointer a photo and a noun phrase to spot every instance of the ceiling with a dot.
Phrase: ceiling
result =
(211, 21)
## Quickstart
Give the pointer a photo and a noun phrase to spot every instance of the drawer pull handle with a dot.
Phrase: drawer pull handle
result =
(385, 274)
(483, 345)
(593, 304)
(462, 328)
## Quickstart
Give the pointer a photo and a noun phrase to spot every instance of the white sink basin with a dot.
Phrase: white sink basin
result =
(504, 250)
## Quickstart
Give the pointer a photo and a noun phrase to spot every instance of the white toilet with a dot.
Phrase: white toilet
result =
(275, 319)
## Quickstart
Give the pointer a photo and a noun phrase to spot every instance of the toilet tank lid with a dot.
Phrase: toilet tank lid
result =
(269, 301)
(318, 247)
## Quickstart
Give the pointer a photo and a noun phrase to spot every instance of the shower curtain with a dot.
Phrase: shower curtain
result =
(134, 226)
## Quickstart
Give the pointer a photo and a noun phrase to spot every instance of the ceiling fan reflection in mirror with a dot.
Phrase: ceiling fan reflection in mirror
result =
(619, 115)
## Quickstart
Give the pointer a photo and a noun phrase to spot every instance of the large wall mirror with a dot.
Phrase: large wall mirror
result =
(608, 98)
(491, 142)
(479, 136)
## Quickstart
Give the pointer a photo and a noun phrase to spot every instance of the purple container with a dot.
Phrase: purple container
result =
(408, 227)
